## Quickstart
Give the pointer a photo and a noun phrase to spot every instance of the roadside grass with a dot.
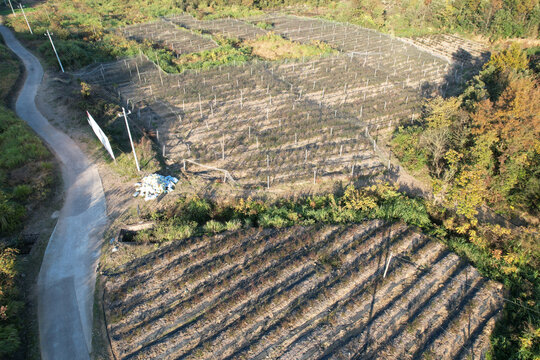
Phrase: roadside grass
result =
(27, 180)
(9, 72)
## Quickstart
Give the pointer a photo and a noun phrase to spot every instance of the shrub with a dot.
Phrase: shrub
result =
(9, 340)
(214, 227)
(198, 210)
(11, 214)
(22, 192)
(268, 220)
(233, 225)
(405, 147)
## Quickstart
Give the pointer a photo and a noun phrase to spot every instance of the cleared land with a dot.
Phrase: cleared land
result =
(166, 34)
(281, 122)
(301, 293)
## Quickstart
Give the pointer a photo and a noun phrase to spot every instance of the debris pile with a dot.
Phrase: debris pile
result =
(154, 185)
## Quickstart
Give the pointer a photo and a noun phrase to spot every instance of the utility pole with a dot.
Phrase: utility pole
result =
(129, 134)
(25, 18)
(57, 57)
(11, 6)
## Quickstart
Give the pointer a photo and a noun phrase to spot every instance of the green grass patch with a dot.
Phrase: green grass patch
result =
(405, 147)
(9, 72)
(230, 51)
(275, 47)
(25, 178)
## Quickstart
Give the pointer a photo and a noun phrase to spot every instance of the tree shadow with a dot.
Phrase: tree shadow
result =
(463, 68)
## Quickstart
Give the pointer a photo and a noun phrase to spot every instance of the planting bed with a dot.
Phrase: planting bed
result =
(288, 121)
(231, 28)
(314, 292)
(454, 48)
(168, 35)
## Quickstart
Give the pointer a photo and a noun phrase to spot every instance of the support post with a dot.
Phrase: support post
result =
(387, 265)
(131, 140)
(11, 6)
(25, 18)
(56, 53)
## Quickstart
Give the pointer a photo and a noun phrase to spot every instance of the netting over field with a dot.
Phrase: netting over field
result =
(170, 36)
(269, 122)
(231, 28)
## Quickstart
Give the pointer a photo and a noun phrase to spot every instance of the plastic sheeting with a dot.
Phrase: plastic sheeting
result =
(152, 186)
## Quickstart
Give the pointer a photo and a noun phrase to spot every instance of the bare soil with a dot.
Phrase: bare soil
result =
(301, 293)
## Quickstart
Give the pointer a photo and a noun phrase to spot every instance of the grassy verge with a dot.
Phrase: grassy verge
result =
(27, 181)
(9, 72)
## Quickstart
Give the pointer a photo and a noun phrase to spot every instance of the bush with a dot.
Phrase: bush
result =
(198, 210)
(214, 227)
(22, 192)
(9, 340)
(233, 225)
(276, 221)
(405, 147)
(11, 215)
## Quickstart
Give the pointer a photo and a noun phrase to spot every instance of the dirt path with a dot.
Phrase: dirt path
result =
(67, 276)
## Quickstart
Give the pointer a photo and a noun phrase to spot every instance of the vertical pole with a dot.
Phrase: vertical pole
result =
(25, 18)
(13, 11)
(387, 264)
(223, 147)
(138, 73)
(57, 57)
(131, 140)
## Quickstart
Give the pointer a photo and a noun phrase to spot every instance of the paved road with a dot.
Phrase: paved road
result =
(67, 276)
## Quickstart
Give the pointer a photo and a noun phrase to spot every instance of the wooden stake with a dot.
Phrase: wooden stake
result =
(223, 147)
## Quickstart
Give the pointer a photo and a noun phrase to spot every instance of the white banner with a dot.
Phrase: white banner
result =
(100, 134)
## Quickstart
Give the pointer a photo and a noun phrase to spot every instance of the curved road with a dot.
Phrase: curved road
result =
(68, 272)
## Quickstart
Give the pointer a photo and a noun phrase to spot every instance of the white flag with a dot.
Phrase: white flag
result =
(100, 134)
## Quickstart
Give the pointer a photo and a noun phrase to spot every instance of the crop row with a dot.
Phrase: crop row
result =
(231, 28)
(302, 293)
(265, 121)
(168, 35)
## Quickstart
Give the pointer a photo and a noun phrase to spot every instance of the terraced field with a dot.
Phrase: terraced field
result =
(167, 35)
(272, 122)
(314, 292)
